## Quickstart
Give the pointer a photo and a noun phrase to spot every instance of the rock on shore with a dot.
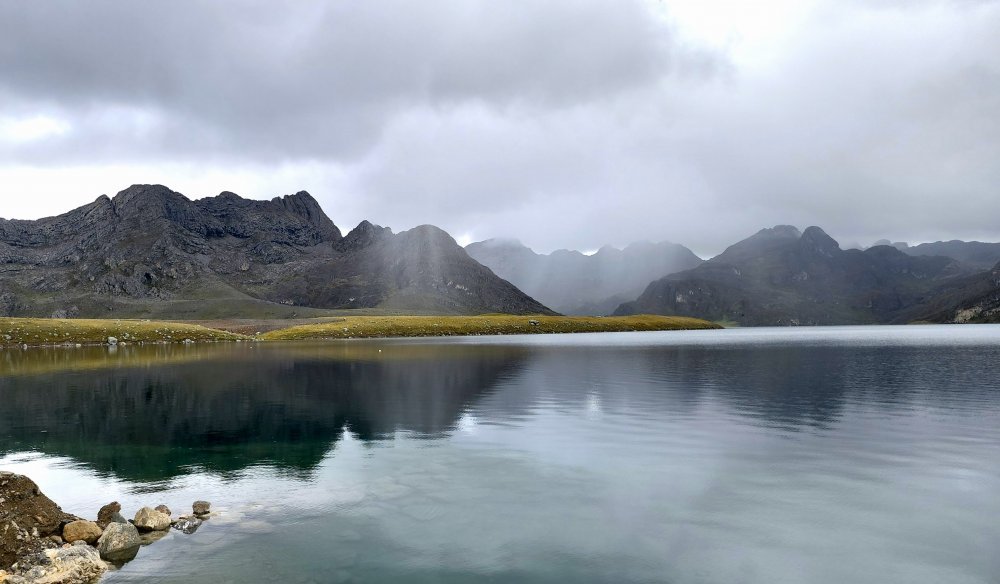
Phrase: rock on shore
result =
(27, 519)
(151, 520)
(119, 543)
(78, 564)
(33, 529)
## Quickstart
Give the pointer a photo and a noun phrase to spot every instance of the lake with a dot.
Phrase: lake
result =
(800, 455)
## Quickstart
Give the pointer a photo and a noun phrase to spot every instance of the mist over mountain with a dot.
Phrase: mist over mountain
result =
(574, 283)
(782, 276)
(974, 254)
(151, 251)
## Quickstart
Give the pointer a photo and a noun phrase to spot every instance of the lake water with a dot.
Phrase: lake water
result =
(812, 455)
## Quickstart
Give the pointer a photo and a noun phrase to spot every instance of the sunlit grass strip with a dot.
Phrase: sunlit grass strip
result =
(51, 331)
(432, 326)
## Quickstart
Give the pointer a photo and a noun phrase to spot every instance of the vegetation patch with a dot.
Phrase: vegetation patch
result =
(489, 324)
(53, 331)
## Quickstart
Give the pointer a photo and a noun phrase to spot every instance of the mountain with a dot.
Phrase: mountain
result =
(975, 254)
(974, 298)
(150, 251)
(574, 283)
(781, 276)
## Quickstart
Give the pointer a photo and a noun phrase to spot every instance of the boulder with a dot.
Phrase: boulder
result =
(79, 564)
(187, 525)
(110, 513)
(27, 519)
(163, 509)
(86, 531)
(119, 543)
(151, 520)
(201, 507)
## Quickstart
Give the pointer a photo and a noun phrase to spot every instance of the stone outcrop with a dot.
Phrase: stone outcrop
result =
(27, 519)
(79, 564)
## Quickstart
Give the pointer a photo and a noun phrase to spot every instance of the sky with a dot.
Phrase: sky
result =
(564, 123)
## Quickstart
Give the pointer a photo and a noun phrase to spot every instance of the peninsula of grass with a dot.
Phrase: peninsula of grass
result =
(53, 331)
(493, 324)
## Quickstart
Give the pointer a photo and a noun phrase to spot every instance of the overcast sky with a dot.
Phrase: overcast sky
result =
(564, 123)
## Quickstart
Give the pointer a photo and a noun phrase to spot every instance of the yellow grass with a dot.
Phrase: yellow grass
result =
(499, 324)
(52, 331)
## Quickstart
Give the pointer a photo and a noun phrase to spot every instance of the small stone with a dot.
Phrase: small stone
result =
(87, 531)
(112, 341)
(56, 539)
(151, 520)
(201, 507)
(163, 509)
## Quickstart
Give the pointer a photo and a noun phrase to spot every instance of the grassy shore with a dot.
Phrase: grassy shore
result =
(498, 324)
(54, 331)
(16, 332)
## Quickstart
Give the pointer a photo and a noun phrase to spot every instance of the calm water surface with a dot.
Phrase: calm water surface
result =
(832, 455)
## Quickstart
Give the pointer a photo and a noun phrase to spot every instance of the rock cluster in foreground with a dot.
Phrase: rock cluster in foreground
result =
(41, 544)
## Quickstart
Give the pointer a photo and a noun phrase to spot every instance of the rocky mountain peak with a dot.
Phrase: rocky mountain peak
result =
(780, 232)
(816, 240)
(362, 236)
(305, 205)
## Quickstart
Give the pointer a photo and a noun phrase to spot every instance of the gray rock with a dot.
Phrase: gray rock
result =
(112, 341)
(187, 525)
(69, 565)
(119, 543)
(201, 507)
(148, 519)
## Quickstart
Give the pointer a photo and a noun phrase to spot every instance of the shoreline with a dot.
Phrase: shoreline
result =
(23, 333)
(40, 543)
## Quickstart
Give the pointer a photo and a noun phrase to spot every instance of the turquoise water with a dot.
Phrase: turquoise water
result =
(819, 455)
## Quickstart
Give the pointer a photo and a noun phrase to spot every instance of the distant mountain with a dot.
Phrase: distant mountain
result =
(781, 276)
(975, 254)
(974, 298)
(150, 251)
(573, 283)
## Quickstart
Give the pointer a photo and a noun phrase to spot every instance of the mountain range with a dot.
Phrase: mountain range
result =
(574, 283)
(781, 276)
(150, 251)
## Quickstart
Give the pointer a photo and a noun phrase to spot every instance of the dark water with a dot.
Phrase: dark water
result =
(757, 456)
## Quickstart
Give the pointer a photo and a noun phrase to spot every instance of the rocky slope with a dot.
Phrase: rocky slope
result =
(977, 255)
(574, 283)
(150, 251)
(970, 299)
(781, 276)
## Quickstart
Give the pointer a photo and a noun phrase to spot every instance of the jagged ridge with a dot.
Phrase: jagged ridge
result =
(149, 246)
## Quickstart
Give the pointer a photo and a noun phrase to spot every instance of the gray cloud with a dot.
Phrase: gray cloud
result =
(569, 123)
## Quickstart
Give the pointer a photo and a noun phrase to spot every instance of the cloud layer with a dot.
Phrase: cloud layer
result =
(569, 123)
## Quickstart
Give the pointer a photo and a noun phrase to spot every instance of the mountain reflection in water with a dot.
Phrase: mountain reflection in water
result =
(753, 455)
(225, 408)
